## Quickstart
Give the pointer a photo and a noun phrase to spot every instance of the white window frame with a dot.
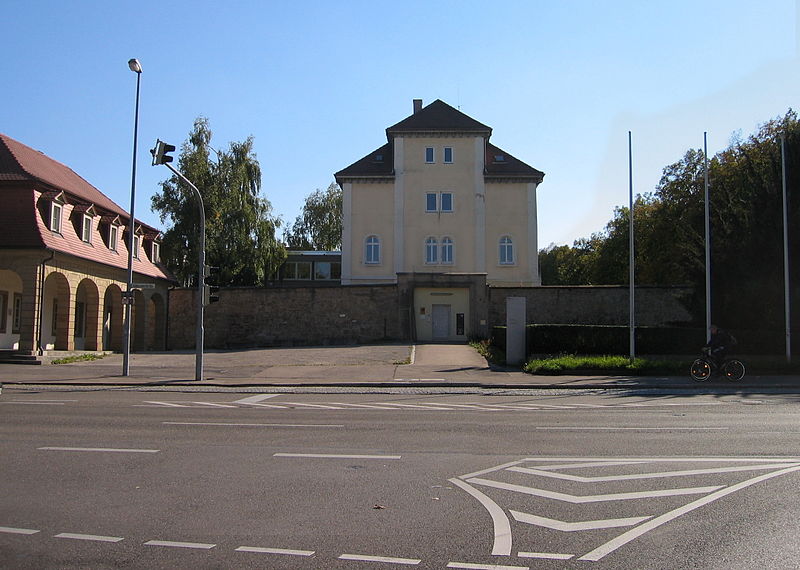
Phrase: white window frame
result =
(113, 236)
(372, 250)
(428, 196)
(445, 160)
(156, 252)
(441, 202)
(86, 229)
(136, 246)
(431, 251)
(447, 256)
(506, 253)
(56, 215)
(430, 155)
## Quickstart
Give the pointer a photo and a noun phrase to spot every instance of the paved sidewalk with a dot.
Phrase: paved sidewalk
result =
(449, 365)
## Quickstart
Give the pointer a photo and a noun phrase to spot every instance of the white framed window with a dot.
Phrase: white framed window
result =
(431, 251)
(156, 252)
(446, 202)
(372, 250)
(431, 202)
(136, 247)
(506, 251)
(113, 237)
(430, 155)
(447, 251)
(86, 229)
(438, 202)
(447, 157)
(55, 217)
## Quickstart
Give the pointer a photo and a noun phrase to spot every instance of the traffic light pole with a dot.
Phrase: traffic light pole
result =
(200, 333)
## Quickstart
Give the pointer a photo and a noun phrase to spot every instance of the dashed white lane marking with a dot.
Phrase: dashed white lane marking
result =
(90, 537)
(469, 566)
(220, 424)
(335, 456)
(167, 404)
(385, 559)
(214, 405)
(314, 406)
(545, 555)
(12, 530)
(171, 544)
(99, 449)
(285, 551)
(257, 398)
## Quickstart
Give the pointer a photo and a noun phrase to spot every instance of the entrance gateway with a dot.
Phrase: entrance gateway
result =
(441, 314)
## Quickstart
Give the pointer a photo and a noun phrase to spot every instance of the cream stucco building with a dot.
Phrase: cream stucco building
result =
(440, 200)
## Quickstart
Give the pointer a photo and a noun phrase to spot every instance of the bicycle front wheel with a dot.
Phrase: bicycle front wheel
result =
(700, 370)
(734, 370)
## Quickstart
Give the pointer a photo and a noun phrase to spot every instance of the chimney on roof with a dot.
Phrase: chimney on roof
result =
(417, 105)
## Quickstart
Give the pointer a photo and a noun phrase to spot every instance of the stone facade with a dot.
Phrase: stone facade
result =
(251, 317)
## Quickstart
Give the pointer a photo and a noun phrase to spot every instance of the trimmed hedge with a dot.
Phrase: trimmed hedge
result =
(615, 339)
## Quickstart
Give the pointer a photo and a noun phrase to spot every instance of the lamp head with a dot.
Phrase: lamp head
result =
(135, 65)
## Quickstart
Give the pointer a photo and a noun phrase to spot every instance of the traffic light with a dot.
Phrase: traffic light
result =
(210, 285)
(160, 151)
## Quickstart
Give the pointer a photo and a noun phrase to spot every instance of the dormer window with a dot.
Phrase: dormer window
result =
(378, 158)
(113, 236)
(136, 246)
(86, 229)
(56, 210)
(499, 158)
(156, 257)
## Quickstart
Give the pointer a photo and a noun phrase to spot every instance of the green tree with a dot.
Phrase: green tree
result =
(240, 228)
(319, 227)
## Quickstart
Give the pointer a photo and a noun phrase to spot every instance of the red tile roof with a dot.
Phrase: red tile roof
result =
(30, 180)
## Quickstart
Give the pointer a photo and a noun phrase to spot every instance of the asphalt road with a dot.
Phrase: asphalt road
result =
(109, 478)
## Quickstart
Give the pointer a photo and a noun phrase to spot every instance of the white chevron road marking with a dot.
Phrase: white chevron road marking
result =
(576, 526)
(580, 499)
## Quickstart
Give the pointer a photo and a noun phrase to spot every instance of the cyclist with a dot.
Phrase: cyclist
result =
(719, 345)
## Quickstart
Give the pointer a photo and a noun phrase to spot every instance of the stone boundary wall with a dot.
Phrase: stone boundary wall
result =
(594, 305)
(253, 317)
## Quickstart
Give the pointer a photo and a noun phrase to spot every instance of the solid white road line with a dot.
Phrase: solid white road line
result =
(260, 550)
(634, 533)
(655, 475)
(214, 405)
(545, 555)
(91, 537)
(335, 456)
(469, 566)
(554, 524)
(502, 526)
(252, 425)
(386, 559)
(167, 404)
(581, 499)
(313, 406)
(35, 403)
(169, 543)
(12, 530)
(257, 398)
(620, 428)
(99, 449)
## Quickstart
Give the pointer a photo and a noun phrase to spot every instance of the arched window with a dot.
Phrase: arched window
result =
(447, 250)
(506, 251)
(431, 250)
(372, 250)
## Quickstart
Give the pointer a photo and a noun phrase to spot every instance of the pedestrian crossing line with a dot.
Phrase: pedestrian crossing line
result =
(316, 406)
(260, 405)
(416, 406)
(366, 406)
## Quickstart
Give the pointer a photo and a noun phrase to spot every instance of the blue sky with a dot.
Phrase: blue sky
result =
(316, 83)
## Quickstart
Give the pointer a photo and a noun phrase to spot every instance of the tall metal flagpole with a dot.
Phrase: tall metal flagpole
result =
(708, 239)
(787, 303)
(632, 306)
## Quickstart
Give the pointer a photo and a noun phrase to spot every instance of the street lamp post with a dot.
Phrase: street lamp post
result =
(136, 67)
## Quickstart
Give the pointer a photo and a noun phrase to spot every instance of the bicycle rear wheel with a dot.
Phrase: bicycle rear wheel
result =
(700, 370)
(734, 370)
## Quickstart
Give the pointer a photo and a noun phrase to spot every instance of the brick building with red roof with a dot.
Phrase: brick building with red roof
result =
(64, 259)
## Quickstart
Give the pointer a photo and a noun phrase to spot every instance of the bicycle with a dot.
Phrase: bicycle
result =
(705, 367)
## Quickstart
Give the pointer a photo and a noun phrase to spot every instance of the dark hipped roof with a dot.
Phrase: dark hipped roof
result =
(377, 164)
(500, 164)
(438, 117)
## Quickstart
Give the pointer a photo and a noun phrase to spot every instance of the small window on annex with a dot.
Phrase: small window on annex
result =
(297, 270)
(327, 270)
